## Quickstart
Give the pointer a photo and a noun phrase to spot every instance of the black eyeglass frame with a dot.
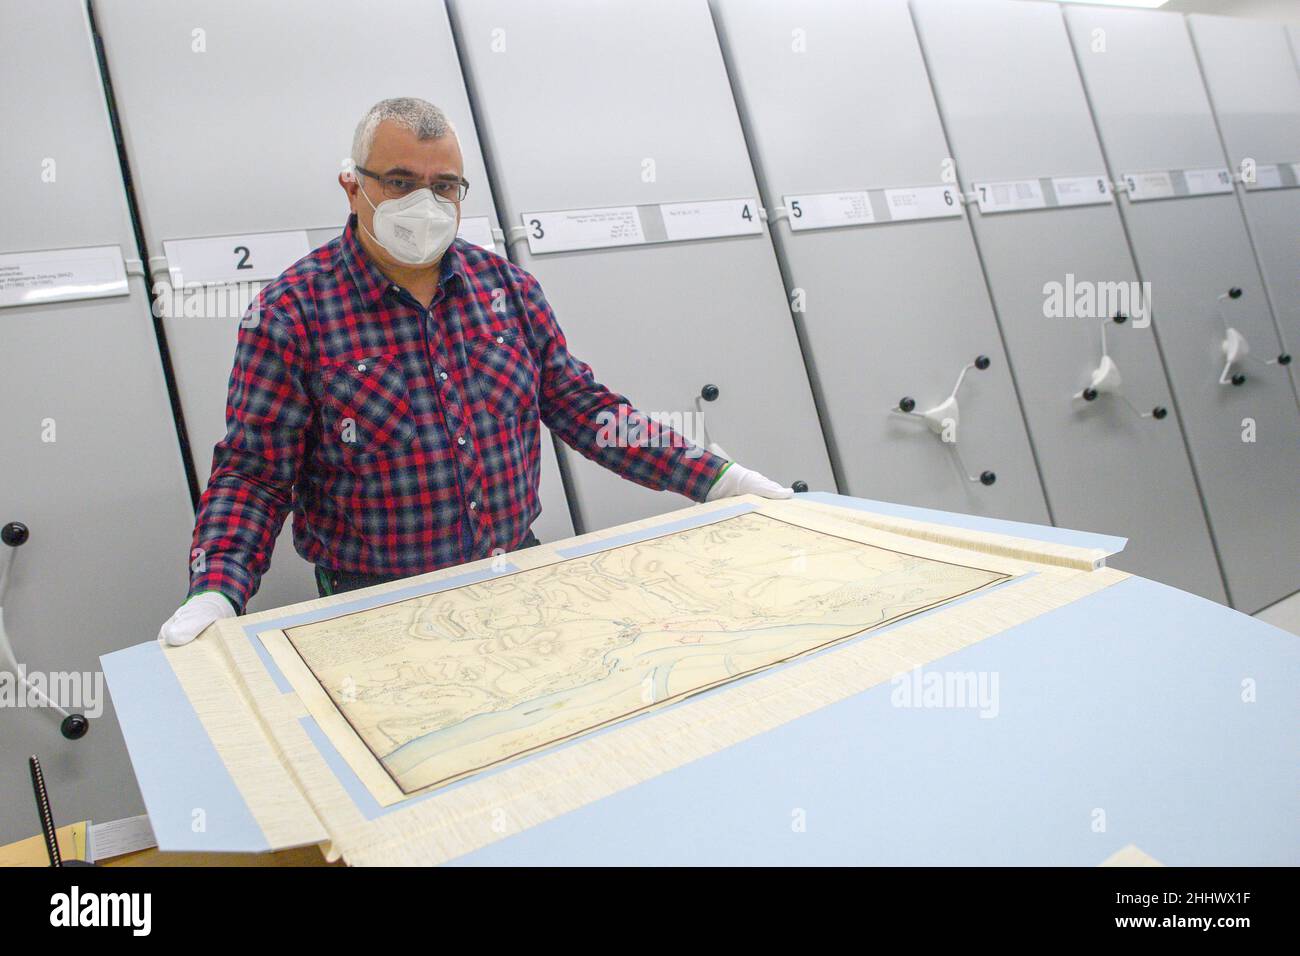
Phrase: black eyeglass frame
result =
(391, 191)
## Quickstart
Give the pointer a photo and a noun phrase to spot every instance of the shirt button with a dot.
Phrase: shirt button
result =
(460, 440)
(501, 340)
(473, 505)
(361, 367)
(443, 376)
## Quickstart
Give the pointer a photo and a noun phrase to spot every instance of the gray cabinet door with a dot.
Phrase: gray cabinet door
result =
(89, 457)
(1255, 91)
(588, 105)
(1014, 109)
(237, 117)
(1152, 113)
(835, 100)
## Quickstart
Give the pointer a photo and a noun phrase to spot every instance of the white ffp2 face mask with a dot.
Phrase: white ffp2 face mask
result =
(415, 229)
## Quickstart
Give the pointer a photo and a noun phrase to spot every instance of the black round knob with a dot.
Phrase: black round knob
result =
(907, 404)
(14, 534)
(799, 487)
(709, 393)
(1120, 318)
(1159, 412)
(1284, 358)
(74, 726)
(1089, 394)
(1234, 293)
(981, 362)
(987, 478)
(1238, 379)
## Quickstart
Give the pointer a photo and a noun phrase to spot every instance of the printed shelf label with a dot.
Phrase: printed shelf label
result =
(1011, 196)
(251, 257)
(568, 229)
(829, 210)
(478, 231)
(712, 219)
(1081, 190)
(61, 275)
(922, 202)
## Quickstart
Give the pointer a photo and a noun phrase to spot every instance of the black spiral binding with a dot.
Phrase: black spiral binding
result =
(43, 808)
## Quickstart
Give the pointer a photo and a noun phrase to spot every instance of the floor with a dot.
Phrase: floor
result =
(1284, 614)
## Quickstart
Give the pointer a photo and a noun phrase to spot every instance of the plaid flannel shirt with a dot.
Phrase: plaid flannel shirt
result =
(404, 439)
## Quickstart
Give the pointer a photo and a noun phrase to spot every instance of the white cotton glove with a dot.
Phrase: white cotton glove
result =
(739, 480)
(193, 616)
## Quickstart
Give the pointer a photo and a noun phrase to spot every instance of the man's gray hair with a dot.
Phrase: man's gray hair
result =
(421, 117)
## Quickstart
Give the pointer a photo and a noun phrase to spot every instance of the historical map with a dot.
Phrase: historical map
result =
(450, 683)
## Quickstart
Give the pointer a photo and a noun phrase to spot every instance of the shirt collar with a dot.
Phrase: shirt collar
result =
(372, 283)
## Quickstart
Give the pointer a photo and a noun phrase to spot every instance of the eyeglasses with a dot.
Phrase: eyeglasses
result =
(395, 187)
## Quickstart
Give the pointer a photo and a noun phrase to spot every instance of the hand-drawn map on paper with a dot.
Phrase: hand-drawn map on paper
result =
(450, 683)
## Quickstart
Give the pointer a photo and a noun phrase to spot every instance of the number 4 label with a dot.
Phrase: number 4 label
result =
(711, 219)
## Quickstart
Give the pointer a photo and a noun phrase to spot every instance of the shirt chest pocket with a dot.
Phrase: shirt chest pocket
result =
(503, 375)
(365, 410)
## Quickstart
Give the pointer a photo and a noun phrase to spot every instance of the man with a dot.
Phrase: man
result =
(389, 388)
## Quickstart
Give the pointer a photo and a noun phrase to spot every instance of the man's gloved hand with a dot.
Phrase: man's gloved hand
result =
(739, 480)
(193, 616)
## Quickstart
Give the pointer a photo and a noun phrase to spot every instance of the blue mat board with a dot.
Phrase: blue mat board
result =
(1128, 701)
(176, 765)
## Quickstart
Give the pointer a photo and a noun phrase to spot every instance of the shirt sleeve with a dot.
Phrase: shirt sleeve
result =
(254, 467)
(603, 425)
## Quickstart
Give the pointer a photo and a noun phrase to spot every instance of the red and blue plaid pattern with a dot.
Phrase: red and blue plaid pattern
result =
(403, 439)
